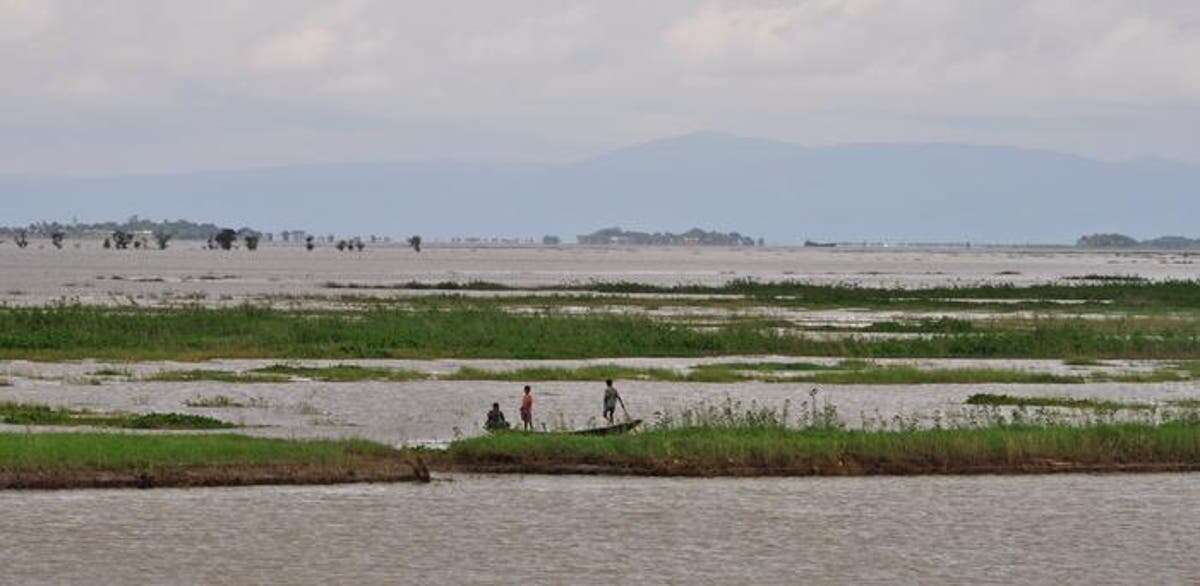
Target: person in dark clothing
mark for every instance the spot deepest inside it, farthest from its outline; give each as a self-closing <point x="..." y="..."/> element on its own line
<point x="495" y="419"/>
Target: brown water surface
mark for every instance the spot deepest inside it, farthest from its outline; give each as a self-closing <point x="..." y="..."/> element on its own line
<point x="1073" y="529"/>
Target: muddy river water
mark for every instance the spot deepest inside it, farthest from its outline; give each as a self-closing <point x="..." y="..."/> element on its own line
<point x="1073" y="529"/>
<point x="90" y="274"/>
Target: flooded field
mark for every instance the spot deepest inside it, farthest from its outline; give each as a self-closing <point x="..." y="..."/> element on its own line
<point x="505" y="529"/>
<point x="186" y="273"/>
<point x="399" y="413"/>
<point x="1067" y="529"/>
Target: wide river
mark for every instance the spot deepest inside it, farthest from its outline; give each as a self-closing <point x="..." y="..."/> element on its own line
<point x="472" y="529"/>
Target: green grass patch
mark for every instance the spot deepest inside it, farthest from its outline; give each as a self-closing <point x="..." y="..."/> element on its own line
<point x="486" y="331"/>
<point x="118" y="452"/>
<point x="29" y="414"/>
<point x="712" y="451"/>
<point x="111" y="460"/>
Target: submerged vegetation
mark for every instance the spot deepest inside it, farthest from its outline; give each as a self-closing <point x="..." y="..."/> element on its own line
<point x="28" y="414"/>
<point x="843" y="372"/>
<point x="221" y="376"/>
<point x="104" y="460"/>
<point x="1067" y="402"/>
<point x="1111" y="294"/>
<point x="341" y="373"/>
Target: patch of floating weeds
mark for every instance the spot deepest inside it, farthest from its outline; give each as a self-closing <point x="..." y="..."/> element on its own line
<point x="1106" y="278"/>
<point x="31" y="414"/>
<point x="906" y="375"/>
<point x="342" y="373"/>
<point x="583" y="373"/>
<point x="109" y="371"/>
<point x="221" y="376"/>
<point x="1122" y="291"/>
<point x="223" y="402"/>
<point x="1069" y="402"/>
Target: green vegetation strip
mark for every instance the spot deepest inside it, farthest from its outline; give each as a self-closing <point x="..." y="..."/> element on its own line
<point x="87" y="460"/>
<point x="845" y="372"/>
<point x="764" y="451"/>
<point x="220" y="376"/>
<point x="77" y="332"/>
<point x="1115" y="293"/>
<point x="342" y="373"/>
<point x="28" y="414"/>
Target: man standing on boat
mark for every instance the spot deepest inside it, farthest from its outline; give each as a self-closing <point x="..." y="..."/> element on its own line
<point x="527" y="409"/>
<point x="611" y="398"/>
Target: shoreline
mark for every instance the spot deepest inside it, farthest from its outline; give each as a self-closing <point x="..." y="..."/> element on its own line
<point x="1026" y="469"/>
<point x="55" y="461"/>
<point x="207" y="477"/>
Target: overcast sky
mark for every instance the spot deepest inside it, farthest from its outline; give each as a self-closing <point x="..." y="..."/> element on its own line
<point x="100" y="86"/>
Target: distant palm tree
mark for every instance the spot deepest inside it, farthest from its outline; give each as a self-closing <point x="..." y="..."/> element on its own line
<point x="122" y="239"/>
<point x="225" y="239"/>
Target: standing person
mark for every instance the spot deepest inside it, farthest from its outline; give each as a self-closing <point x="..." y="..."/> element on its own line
<point x="611" y="398"/>
<point x="527" y="409"/>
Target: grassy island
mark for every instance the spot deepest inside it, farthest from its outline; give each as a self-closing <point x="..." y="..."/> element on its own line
<point x="783" y="452"/>
<point x="735" y="440"/>
<point x="115" y="460"/>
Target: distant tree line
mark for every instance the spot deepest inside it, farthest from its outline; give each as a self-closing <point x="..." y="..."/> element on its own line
<point x="1123" y="241"/>
<point x="694" y="237"/>
<point x="180" y="229"/>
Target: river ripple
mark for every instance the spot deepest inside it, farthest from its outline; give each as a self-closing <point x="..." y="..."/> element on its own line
<point x="476" y="529"/>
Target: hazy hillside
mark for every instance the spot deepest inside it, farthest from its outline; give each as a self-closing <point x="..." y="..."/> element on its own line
<point x="782" y="191"/>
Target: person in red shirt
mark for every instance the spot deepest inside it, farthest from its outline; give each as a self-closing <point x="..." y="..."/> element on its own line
<point x="527" y="409"/>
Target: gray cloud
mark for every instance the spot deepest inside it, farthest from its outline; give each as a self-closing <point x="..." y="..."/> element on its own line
<point x="127" y="85"/>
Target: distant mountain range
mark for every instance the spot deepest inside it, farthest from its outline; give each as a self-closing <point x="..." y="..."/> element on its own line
<point x="783" y="191"/>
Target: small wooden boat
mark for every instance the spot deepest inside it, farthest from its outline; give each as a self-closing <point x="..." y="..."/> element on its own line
<point x="626" y="427"/>
<point x="618" y="428"/>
